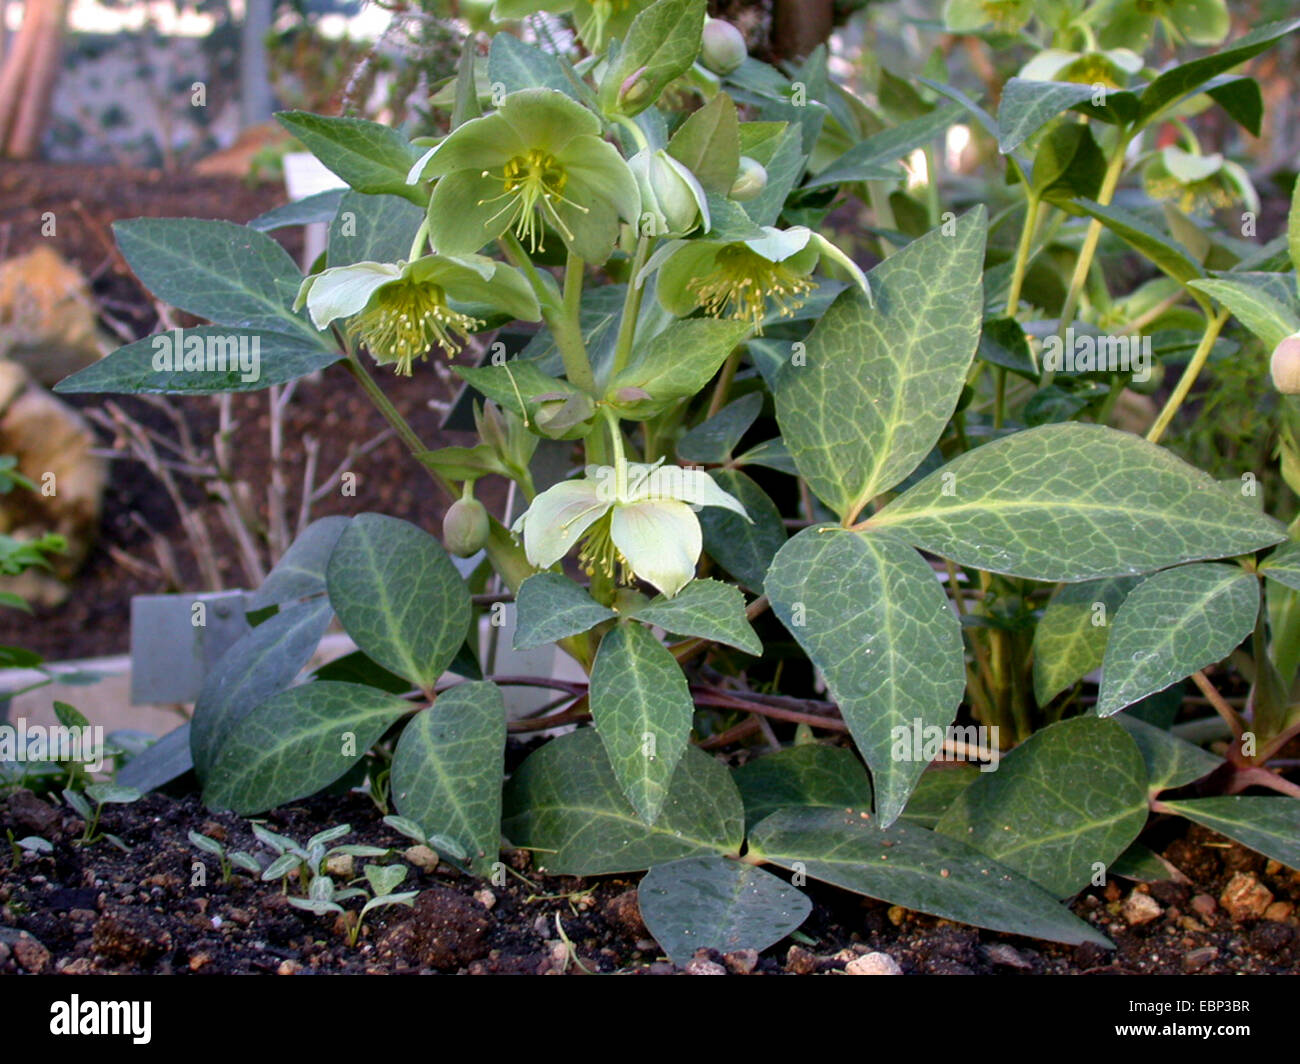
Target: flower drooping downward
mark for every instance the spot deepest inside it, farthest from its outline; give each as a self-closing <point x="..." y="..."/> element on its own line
<point x="749" y="280"/>
<point x="399" y="311"/>
<point x="404" y="319"/>
<point x="637" y="523"/>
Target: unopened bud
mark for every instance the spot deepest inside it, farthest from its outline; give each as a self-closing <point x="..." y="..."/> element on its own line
<point x="1285" y="365"/>
<point x="465" y="527"/>
<point x="634" y="89"/>
<point x="723" y="48"/>
<point x="751" y="179"/>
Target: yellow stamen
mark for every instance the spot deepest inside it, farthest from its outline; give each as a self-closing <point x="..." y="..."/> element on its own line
<point x="599" y="555"/>
<point x="404" y="319"/>
<point x="743" y="281"/>
<point x="532" y="186"/>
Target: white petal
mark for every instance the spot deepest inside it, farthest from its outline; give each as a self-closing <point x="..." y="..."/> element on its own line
<point x="558" y="518"/>
<point x="692" y="486"/>
<point x="661" y="541"/>
<point x="777" y="245"/>
<point x="345" y="290"/>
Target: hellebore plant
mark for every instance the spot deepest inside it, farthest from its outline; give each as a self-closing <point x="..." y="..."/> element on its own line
<point x="805" y="530"/>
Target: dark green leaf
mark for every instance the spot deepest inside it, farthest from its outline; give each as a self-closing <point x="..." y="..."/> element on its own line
<point x="447" y="770"/>
<point x="918" y="869"/>
<point x="869" y="613"/>
<point x="565" y="804"/>
<point x="296" y="743"/>
<point x="706" y="609"/>
<point x="719" y="904"/>
<point x="550" y="606"/>
<point x="399" y="597"/>
<point x="1070" y="796"/>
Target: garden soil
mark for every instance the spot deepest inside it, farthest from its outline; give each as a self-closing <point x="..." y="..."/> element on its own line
<point x="162" y="908"/>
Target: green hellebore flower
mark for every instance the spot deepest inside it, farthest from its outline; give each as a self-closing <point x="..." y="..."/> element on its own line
<point x="644" y="527"/>
<point x="1198" y="182"/>
<point x="967" y="16"/>
<point x="1132" y="22"/>
<point x="537" y="161"/>
<point x="400" y="310"/>
<point x="671" y="195"/>
<point x="739" y="279"/>
<point x="1111" y="68"/>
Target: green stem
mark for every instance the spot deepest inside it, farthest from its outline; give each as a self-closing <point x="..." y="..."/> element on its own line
<point x="417" y="245"/>
<point x="1212" y="329"/>
<point x="399" y="424"/>
<point x="724" y="383"/>
<point x="631" y="308"/>
<point x="564" y="328"/>
<point x="1032" y="209"/>
<point x="631" y="126"/>
<point x="1089" y="248"/>
<point x="1000" y="396"/>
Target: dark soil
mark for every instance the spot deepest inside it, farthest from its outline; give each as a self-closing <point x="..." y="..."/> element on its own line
<point x="95" y="909"/>
<point x="86" y="200"/>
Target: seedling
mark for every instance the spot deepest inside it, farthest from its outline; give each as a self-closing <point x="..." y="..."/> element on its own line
<point x="309" y="859"/>
<point x="101" y="794"/>
<point x="439" y="844"/>
<point x="323" y="897"/>
<point x="29" y="844"/>
<point x="228" y="859"/>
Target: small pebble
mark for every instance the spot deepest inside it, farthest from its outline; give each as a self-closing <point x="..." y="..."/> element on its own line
<point x="1204" y="904"/>
<point x="1245" y="897"/>
<point x="485" y="898"/>
<point x="873" y="964"/>
<point x="700" y="966"/>
<point x="1195" y="960"/>
<point x="340" y="866"/>
<point x="1139" y="909"/>
<point x="422" y="857"/>
<point x="741" y="961"/>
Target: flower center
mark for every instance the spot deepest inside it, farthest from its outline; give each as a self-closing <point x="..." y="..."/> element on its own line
<point x="599" y="555"/>
<point x="404" y="319"/>
<point x="532" y="186"/>
<point x="743" y="281"/>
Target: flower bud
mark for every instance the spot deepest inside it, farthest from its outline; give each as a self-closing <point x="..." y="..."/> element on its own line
<point x="750" y="181"/>
<point x="669" y="192"/>
<point x="465" y="527"/>
<point x="1285" y="365"/>
<point x="723" y="48"/>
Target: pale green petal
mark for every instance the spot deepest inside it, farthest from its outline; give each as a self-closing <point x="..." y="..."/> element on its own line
<point x="694" y="259"/>
<point x="485" y="143"/>
<point x="599" y="166"/>
<point x="460" y="219"/>
<point x="661" y="541"/>
<point x="557" y="519"/>
<point x="545" y="119"/>
<point x="832" y="252"/>
<point x="1044" y="66"/>
<point x="345" y="290"/>
<point x="693" y="183"/>
<point x="1187" y="167"/>
<point x="660" y="256"/>
<point x="478" y="279"/>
